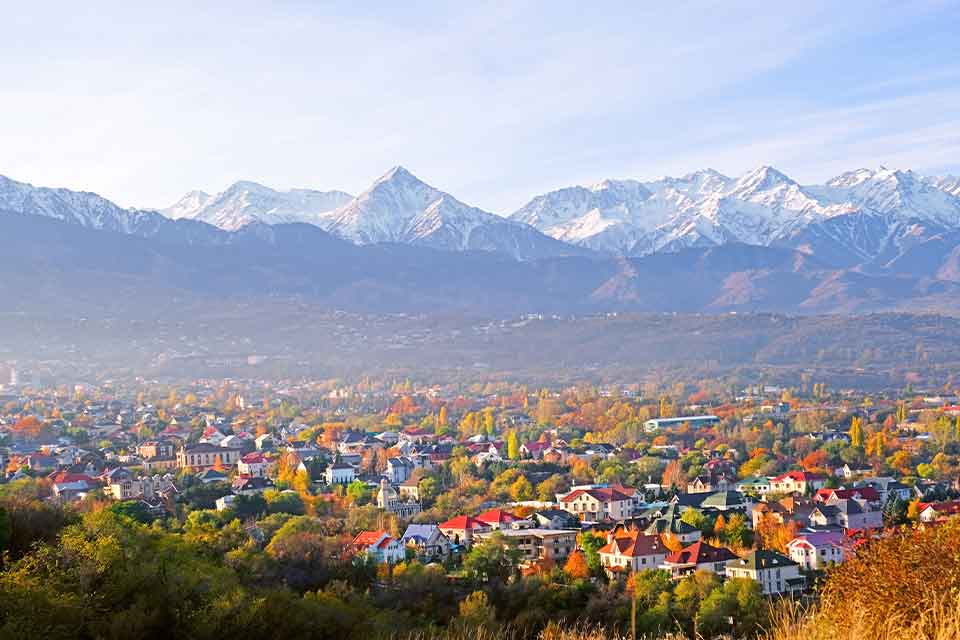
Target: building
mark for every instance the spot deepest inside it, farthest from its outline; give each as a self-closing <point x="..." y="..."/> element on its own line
<point x="251" y="485"/>
<point x="596" y="504"/>
<point x="339" y="473"/>
<point x="428" y="541"/>
<point x="539" y="544"/>
<point x="776" y="573"/>
<point x="801" y="482"/>
<point x="206" y="455"/>
<point x="756" y="485"/>
<point x="254" y="465"/>
<point x="631" y="552"/>
<point x="399" y="469"/>
<point x="933" y="511"/>
<point x="847" y="514"/>
<point x="389" y="500"/>
<point x="461" y="529"/>
<point x="380" y="546"/>
<point x="695" y="422"/>
<point x="498" y="518"/>
<point x="125" y="487"/>
<point x="699" y="556"/>
<point x="817" y="551"/>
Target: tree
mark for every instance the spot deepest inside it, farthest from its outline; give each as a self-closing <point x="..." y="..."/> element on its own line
<point x="856" y="432"/>
<point x="521" y="490"/>
<point x="513" y="446"/>
<point x="894" y="511"/>
<point x="576" y="566"/>
<point x="591" y="544"/>
<point x="476" y="611"/>
<point x="494" y="558"/>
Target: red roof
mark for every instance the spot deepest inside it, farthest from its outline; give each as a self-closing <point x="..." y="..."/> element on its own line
<point x="367" y="538"/>
<point x="699" y="553"/>
<point x="496" y="516"/>
<point x="864" y="493"/>
<point x="65" y="477"/>
<point x="635" y="546"/>
<point x="253" y="457"/>
<point x="463" y="523"/>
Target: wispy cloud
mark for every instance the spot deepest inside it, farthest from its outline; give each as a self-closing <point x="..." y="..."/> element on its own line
<point x="494" y="102"/>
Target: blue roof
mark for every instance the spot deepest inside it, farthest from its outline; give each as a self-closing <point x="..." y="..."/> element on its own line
<point x="421" y="531"/>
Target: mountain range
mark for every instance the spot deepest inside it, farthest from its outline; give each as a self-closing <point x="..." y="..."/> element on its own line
<point x="865" y="240"/>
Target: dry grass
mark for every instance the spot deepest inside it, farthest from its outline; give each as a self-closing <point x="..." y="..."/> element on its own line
<point x="905" y="587"/>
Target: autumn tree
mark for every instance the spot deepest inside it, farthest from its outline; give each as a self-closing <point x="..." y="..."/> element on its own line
<point x="576" y="566"/>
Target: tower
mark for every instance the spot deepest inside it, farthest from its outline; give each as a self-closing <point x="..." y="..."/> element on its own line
<point x="14" y="377"/>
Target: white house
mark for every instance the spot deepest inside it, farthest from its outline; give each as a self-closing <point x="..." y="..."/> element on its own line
<point x="776" y="573"/>
<point x="253" y="464"/>
<point x="339" y="473"/>
<point x="814" y="551"/>
<point x="379" y="545"/>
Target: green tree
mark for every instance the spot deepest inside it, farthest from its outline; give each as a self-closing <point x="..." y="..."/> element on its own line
<point x="493" y="559"/>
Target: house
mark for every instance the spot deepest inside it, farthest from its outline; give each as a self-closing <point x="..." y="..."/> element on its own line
<point x="801" y="482"/>
<point x="498" y="518"/>
<point x="461" y="529"/>
<point x="129" y="488"/>
<point x="380" y="546"/>
<point x="539" y="544"/>
<point x="399" y="469"/>
<point x="251" y="485"/>
<point x="339" y="473"/>
<point x="816" y="551"/>
<point x="555" y="519"/>
<point x="774" y="572"/>
<point x="71" y="486"/>
<point x="847" y="514"/>
<point x="699" y="556"/>
<point x="864" y="495"/>
<point x="933" y="511"/>
<point x="206" y="455"/>
<point x="226" y="502"/>
<point x="755" y="485"/>
<point x="722" y="501"/>
<point x="783" y="511"/>
<point x="208" y="476"/>
<point x="695" y="422"/>
<point x="264" y="442"/>
<point x="158" y="455"/>
<point x="428" y="541"/>
<point x="410" y="489"/>
<point x="710" y="483"/>
<point x="596" y="504"/>
<point x="253" y="464"/>
<point x="389" y="500"/>
<point x="633" y="551"/>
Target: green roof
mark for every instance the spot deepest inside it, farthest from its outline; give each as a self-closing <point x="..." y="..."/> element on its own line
<point x="762" y="559"/>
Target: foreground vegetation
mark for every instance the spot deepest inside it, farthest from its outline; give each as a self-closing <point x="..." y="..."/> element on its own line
<point x="104" y="575"/>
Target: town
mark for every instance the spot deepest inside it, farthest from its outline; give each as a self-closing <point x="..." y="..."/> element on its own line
<point x="685" y="508"/>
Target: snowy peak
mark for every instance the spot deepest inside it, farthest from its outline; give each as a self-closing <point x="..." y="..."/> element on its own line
<point x="399" y="207"/>
<point x="764" y="206"/>
<point x="247" y="202"/>
<point x="763" y="178"/>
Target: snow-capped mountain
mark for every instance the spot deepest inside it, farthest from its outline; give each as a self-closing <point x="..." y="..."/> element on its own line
<point x="400" y="208"/>
<point x="862" y="213"/>
<point x="77" y="207"/>
<point x="247" y="202"/>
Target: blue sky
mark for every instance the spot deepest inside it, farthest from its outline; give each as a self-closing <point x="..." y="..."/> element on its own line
<point x="494" y="102"/>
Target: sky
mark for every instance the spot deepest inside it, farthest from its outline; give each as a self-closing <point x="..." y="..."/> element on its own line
<point x="492" y="102"/>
